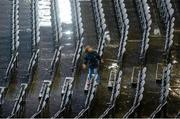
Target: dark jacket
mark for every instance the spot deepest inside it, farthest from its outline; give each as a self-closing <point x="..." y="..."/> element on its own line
<point x="92" y="59"/>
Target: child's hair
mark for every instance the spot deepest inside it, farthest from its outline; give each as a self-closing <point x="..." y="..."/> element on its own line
<point x="87" y="48"/>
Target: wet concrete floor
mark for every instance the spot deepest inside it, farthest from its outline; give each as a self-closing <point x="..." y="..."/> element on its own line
<point x="124" y="102"/>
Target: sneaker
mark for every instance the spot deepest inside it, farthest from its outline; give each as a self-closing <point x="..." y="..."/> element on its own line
<point x="97" y="83"/>
<point x="88" y="82"/>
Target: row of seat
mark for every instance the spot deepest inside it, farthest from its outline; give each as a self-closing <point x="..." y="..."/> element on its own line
<point x="101" y="27"/>
<point x="115" y="74"/>
<point x="15" y="25"/>
<point x="56" y="23"/>
<point x="47" y="84"/>
<point x="139" y="91"/>
<point x="91" y="91"/>
<point x="14" y="45"/>
<point x="116" y="77"/>
<point x="100" y="23"/>
<point x="15" y="36"/>
<point x="145" y="20"/>
<point x="68" y="82"/>
<point x="21" y="96"/>
<point x="35" y="35"/>
<point x="14" y="42"/>
<point x="5" y="36"/>
<point x="169" y="35"/>
<point x="123" y="25"/>
<point x="57" y="33"/>
<point x="167" y="13"/>
<point x="36" y="38"/>
<point x="165" y="85"/>
<point x="66" y="95"/>
<point x="33" y="62"/>
<point x="56" y="57"/>
<point x="102" y="35"/>
<point x="43" y="96"/>
<point x="166" y="10"/>
<point x="79" y="30"/>
<point x="35" y="24"/>
<point x="164" y="90"/>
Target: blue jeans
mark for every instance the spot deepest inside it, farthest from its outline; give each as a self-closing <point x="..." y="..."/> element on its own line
<point x="93" y="71"/>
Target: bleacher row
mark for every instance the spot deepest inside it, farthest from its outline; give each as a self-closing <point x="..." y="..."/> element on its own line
<point x="14" y="49"/>
<point x="21" y="96"/>
<point x="47" y="83"/>
<point x="79" y="30"/>
<point x="167" y="12"/>
<point x="123" y="25"/>
<point x="44" y="93"/>
<point x="115" y="84"/>
<point x="145" y="22"/>
<point x="167" y="15"/>
<point x="103" y="36"/>
<point x="115" y="75"/>
<point x="67" y="88"/>
<point x="5" y="45"/>
<point x="139" y="92"/>
<point x="55" y="20"/>
<point x="101" y="27"/>
<point x="15" y="37"/>
<point x="165" y="85"/>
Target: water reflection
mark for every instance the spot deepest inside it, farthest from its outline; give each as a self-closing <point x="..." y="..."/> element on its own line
<point x="44" y="12"/>
<point x="65" y="11"/>
<point x="68" y="44"/>
<point x="68" y="32"/>
<point x="44" y="7"/>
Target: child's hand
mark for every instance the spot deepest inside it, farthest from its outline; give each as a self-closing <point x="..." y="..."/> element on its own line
<point x="84" y="66"/>
<point x="102" y="61"/>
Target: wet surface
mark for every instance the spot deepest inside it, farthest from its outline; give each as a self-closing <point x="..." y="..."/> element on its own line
<point x="131" y="59"/>
<point x="103" y="93"/>
<point x="90" y="39"/>
<point x="5" y="52"/>
<point x="5" y="36"/>
<point x="24" y="56"/>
